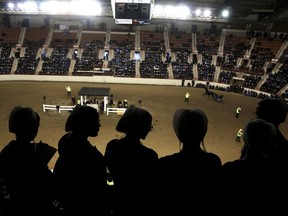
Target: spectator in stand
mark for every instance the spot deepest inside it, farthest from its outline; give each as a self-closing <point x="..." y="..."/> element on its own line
<point x="274" y="110"/>
<point x="249" y="184"/>
<point x="80" y="170"/>
<point x="26" y="182"/>
<point x="131" y="164"/>
<point x="188" y="179"/>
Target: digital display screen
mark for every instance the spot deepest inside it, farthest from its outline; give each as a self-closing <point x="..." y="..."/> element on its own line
<point x="132" y="13"/>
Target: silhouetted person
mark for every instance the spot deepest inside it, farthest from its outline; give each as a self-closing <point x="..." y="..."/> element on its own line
<point x="125" y="103"/>
<point x="132" y="164"/>
<point x="24" y="173"/>
<point x="187" y="179"/>
<point x="102" y="107"/>
<point x="73" y="100"/>
<point x="249" y="184"/>
<point x="119" y="104"/>
<point x="274" y="110"/>
<point x="111" y="102"/>
<point x="80" y="170"/>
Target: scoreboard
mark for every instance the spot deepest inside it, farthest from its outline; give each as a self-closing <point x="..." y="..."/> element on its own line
<point x="132" y="12"/>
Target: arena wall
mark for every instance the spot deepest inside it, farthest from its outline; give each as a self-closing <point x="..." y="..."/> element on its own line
<point x="109" y="79"/>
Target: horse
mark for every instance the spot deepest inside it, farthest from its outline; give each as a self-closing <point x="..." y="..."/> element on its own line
<point x="215" y="96"/>
<point x="208" y="92"/>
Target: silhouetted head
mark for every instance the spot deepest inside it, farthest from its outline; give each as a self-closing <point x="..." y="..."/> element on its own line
<point x="135" y="121"/>
<point x="24" y="122"/>
<point x="273" y="110"/>
<point x="83" y="120"/>
<point x="190" y="125"/>
<point x="259" y="136"/>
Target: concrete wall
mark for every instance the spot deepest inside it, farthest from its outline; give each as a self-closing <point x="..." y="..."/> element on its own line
<point x="99" y="79"/>
<point x="107" y="79"/>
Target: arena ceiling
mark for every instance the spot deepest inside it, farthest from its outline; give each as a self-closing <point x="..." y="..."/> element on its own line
<point x="254" y="10"/>
<point x="240" y="9"/>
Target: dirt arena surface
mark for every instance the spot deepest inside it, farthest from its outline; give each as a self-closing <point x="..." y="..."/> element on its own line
<point x="160" y="101"/>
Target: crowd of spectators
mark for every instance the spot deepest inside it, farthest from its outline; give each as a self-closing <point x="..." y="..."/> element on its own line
<point x="130" y="178"/>
<point x="62" y="58"/>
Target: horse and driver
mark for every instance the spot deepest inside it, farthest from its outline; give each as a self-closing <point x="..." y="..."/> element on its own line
<point x="214" y="95"/>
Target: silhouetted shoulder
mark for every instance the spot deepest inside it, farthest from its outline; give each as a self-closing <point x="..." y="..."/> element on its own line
<point x="24" y="167"/>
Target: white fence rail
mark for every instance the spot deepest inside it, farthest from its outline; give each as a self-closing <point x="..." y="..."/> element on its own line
<point x="118" y="111"/>
<point x="59" y="108"/>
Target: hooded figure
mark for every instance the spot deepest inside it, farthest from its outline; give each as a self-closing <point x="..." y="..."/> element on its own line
<point x="190" y="126"/>
<point x="192" y="171"/>
<point x="83" y="120"/>
<point x="274" y="110"/>
<point x="24" y="173"/>
<point x="82" y="165"/>
<point x="24" y="122"/>
<point x="255" y="174"/>
<point x="135" y="122"/>
<point x="132" y="164"/>
<point x="258" y="137"/>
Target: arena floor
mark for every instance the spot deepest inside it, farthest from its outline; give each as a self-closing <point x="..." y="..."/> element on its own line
<point x="160" y="101"/>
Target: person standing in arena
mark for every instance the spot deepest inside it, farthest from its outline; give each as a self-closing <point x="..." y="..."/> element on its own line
<point x="69" y="90"/>
<point x="238" y="110"/>
<point x="187" y="96"/>
<point x="239" y="135"/>
<point x="125" y="103"/>
<point x="193" y="83"/>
